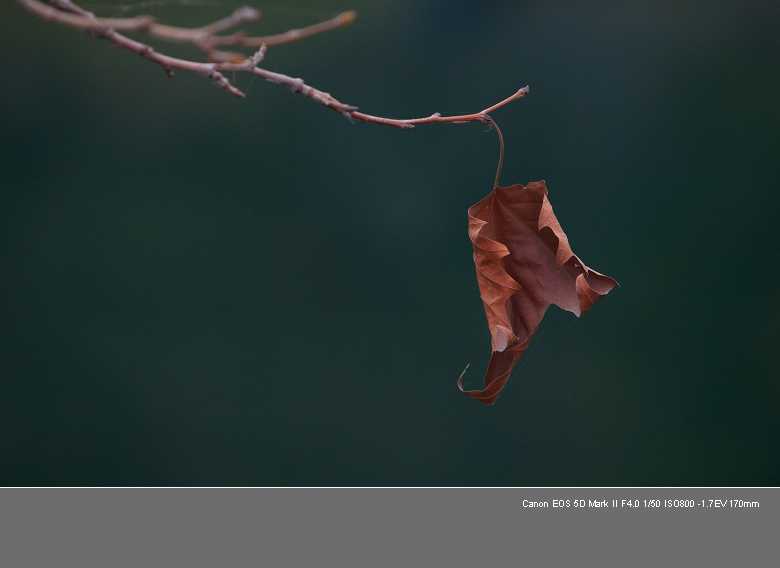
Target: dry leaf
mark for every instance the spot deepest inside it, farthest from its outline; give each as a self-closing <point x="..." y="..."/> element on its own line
<point x="524" y="264"/>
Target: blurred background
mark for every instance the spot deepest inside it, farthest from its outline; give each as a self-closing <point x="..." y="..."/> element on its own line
<point x="202" y="290"/>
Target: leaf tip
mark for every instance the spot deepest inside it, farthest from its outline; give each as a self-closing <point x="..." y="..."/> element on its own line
<point x="460" y="382"/>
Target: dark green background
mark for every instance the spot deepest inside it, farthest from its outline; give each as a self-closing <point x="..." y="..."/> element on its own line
<point x="201" y="290"/>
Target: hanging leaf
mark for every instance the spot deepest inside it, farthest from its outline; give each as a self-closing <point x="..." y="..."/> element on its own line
<point x="524" y="264"/>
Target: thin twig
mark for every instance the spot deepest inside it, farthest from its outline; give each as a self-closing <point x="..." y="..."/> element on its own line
<point x="203" y="33"/>
<point x="343" y="19"/>
<point x="68" y="6"/>
<point x="204" y="36"/>
<point x="298" y="86"/>
<point x="56" y="11"/>
<point x="406" y="124"/>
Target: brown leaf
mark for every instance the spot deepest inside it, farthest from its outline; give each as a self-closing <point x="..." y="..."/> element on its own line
<point x="524" y="264"/>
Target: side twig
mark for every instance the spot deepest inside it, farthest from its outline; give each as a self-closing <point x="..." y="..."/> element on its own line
<point x="343" y="19"/>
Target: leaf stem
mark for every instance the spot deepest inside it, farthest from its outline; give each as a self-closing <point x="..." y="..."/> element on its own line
<point x="501" y="154"/>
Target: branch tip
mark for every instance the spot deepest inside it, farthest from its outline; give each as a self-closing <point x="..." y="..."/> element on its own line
<point x="347" y="17"/>
<point x="246" y="14"/>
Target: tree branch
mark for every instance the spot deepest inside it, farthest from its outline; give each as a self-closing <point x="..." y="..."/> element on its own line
<point x="68" y="13"/>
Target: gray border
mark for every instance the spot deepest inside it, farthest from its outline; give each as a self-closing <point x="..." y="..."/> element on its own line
<point x="387" y="527"/>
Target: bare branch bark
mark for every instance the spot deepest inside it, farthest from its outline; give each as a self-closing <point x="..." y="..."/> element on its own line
<point x="68" y="13"/>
